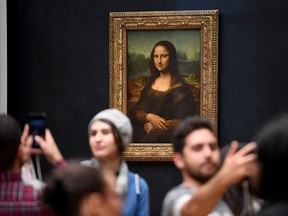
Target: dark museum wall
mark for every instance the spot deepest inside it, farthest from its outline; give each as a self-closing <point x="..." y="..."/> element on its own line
<point x="58" y="62"/>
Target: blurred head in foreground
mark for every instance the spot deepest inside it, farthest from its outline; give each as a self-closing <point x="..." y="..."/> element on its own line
<point x="78" y="190"/>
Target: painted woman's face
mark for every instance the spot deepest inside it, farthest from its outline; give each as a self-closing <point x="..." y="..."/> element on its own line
<point x="102" y="141"/>
<point x="161" y="58"/>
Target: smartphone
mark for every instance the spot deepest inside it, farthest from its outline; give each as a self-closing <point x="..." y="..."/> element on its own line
<point x="37" y="123"/>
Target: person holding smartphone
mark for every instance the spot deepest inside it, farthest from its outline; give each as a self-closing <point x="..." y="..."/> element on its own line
<point x="198" y="157"/>
<point x="17" y="198"/>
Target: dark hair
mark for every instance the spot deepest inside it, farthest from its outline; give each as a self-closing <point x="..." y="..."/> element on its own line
<point x="187" y="126"/>
<point x="173" y="62"/>
<point x="10" y="134"/>
<point x="65" y="187"/>
<point x="272" y="151"/>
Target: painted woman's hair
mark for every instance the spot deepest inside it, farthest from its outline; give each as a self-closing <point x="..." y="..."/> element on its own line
<point x="173" y="63"/>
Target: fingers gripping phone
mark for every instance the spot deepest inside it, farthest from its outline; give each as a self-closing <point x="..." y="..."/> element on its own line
<point x="37" y="124"/>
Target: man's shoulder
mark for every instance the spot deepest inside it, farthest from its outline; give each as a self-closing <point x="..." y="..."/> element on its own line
<point x="177" y="194"/>
<point x="180" y="190"/>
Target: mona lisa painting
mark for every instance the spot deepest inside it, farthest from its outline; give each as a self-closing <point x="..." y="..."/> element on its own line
<point x="163" y="68"/>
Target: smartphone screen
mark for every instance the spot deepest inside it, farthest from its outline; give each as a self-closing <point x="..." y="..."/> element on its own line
<point x="37" y="124"/>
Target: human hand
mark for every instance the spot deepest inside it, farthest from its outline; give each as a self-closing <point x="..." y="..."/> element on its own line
<point x="157" y="121"/>
<point x="239" y="163"/>
<point x="26" y="144"/>
<point x="49" y="147"/>
<point x="148" y="128"/>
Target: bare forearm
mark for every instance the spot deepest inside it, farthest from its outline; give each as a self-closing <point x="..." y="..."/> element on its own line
<point x="141" y="116"/>
<point x="235" y="168"/>
<point x="206" y="197"/>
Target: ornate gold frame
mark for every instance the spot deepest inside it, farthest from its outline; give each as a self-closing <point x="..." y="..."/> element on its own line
<point x="120" y="23"/>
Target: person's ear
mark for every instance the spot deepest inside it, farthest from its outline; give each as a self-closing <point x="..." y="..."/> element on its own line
<point x="178" y="160"/>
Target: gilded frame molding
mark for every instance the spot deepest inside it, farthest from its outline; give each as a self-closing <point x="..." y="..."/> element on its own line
<point x="122" y="22"/>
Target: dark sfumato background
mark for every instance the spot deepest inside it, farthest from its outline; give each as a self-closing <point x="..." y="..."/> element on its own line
<point x="58" y="62"/>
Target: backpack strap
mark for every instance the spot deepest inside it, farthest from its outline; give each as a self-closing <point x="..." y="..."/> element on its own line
<point x="137" y="184"/>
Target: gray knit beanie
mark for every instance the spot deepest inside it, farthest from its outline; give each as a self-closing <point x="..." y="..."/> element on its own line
<point x="119" y="120"/>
